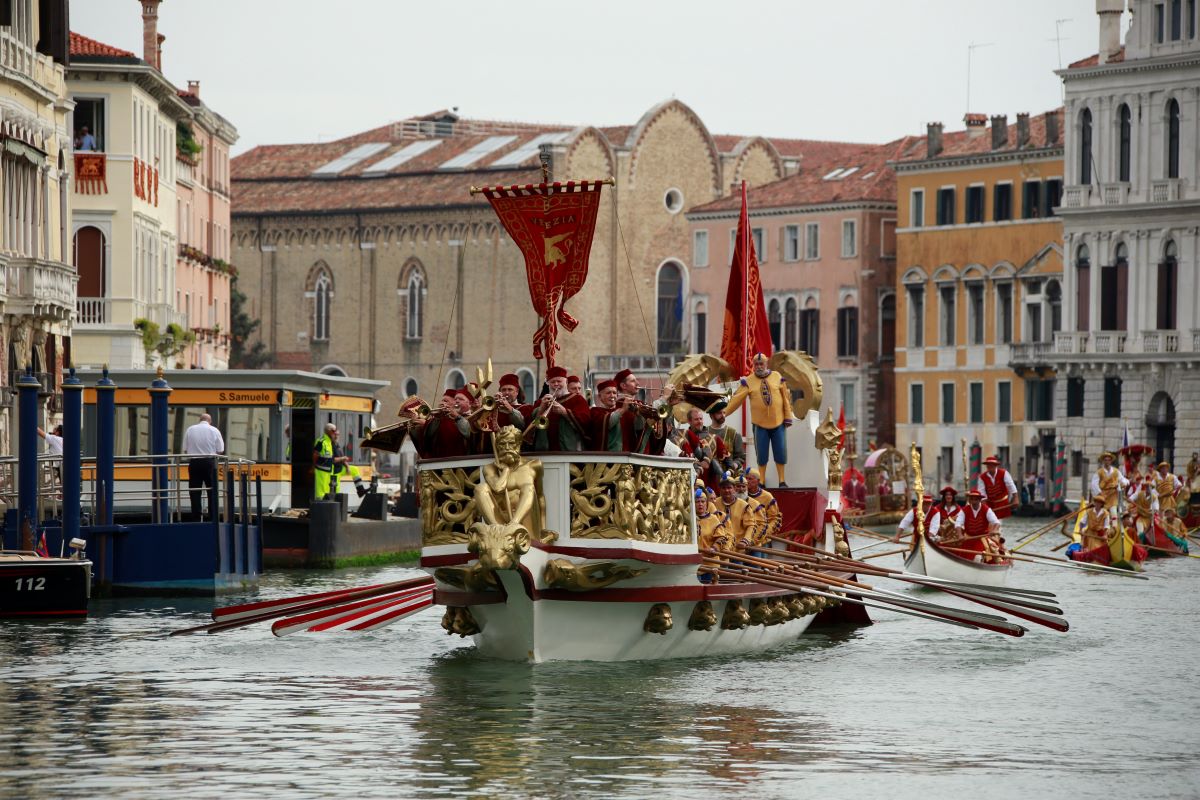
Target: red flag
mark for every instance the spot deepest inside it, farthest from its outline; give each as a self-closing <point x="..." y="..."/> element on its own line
<point x="842" y="426"/>
<point x="746" y="331"/>
<point x="553" y="224"/>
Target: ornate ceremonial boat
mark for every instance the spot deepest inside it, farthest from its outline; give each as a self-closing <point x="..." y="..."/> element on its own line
<point x="591" y="556"/>
<point x="927" y="558"/>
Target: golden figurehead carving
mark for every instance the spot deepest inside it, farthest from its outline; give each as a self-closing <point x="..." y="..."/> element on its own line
<point x="735" y="617"/>
<point x="563" y="574"/>
<point x="511" y="490"/>
<point x="703" y="617"/>
<point x="458" y="619"/>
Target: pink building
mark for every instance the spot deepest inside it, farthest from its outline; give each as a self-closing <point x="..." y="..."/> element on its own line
<point x="203" y="270"/>
<point x="826" y="244"/>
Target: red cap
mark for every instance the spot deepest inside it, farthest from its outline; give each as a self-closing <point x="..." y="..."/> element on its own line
<point x="450" y="393"/>
<point x="621" y="376"/>
<point x="510" y="379"/>
<point x="992" y="460"/>
<point x="465" y="393"/>
<point x="556" y="372"/>
<point x="609" y="384"/>
<point x="948" y="490"/>
<point x="573" y="379"/>
<point x="974" y="493"/>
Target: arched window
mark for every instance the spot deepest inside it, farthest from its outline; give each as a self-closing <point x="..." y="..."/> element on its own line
<point x="455" y="379"/>
<point x="412" y="291"/>
<point x="1083" y="288"/>
<point x="1114" y="284"/>
<point x="1126" y="141"/>
<point x="320" y="289"/>
<point x="774" y="323"/>
<point x="1085" y="146"/>
<point x="1173" y="138"/>
<point x="334" y="370"/>
<point x="1168" y="280"/>
<point x="791" y="321"/>
<point x="410" y="387"/>
<point x="89" y="246"/>
<point x="527" y="390"/>
<point x="670" y="308"/>
<point x="810" y="327"/>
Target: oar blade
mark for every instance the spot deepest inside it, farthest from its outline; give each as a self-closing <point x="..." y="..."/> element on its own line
<point x="299" y="622"/>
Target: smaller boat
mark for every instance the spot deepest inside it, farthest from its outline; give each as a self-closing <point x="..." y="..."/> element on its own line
<point x="928" y="558"/>
<point x="1161" y="543"/>
<point x="33" y="585"/>
<point x="1120" y="552"/>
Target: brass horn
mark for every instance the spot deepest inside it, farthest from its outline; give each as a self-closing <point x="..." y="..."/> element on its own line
<point x="488" y="402"/>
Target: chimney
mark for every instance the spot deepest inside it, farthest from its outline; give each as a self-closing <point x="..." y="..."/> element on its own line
<point x="999" y="131"/>
<point x="158" y="53"/>
<point x="933" y="140"/>
<point x="1022" y="129"/>
<point x="150" y="31"/>
<point x="1109" y="12"/>
<point x="1051" y="128"/>
<point x="194" y="88"/>
<point x="976" y="124"/>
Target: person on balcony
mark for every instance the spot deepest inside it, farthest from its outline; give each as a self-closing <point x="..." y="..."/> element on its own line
<point x="84" y="141"/>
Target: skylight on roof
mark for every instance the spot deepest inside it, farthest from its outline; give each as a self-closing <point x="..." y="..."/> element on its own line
<point x="478" y="151"/>
<point x="406" y="153"/>
<point x="528" y="149"/>
<point x="833" y="174"/>
<point x="347" y="160"/>
<point x="847" y="173"/>
<point x="870" y="174"/>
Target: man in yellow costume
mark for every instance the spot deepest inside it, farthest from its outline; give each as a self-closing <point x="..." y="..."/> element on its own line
<point x="1143" y="502"/>
<point x="1108" y="482"/>
<point x="770" y="413"/>
<point x="1095" y="524"/>
<point x="770" y="516"/>
<point x="740" y="518"/>
<point x="1167" y="486"/>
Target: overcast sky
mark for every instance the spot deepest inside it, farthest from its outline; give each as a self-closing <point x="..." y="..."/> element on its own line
<point x="852" y="70"/>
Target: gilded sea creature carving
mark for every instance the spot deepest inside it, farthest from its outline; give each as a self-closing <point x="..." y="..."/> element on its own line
<point x="626" y="501"/>
<point x="703" y="617"/>
<point x="458" y="619"/>
<point x="735" y="617"/>
<point x="563" y="574"/>
<point x="473" y="578"/>
<point x="447" y="505"/>
<point x="795" y="607"/>
<point x="779" y="611"/>
<point x="760" y="611"/>
<point x="658" y="620"/>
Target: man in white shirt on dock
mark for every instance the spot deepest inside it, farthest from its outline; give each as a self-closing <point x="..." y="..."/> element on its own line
<point x="203" y="443"/>
<point x="54" y="441"/>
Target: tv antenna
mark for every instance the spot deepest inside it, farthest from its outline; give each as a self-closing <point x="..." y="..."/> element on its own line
<point x="971" y="48"/>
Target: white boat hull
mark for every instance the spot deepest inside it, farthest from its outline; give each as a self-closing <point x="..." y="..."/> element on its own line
<point x="928" y="560"/>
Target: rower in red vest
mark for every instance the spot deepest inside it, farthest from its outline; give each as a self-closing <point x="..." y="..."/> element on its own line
<point x="943" y="517"/>
<point x="981" y="528"/>
<point x="997" y="486"/>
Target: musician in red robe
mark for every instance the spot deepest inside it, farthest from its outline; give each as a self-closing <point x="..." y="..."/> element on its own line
<point x="446" y="433"/>
<point x="605" y="427"/>
<point x="998" y="487"/>
<point x="640" y="434"/>
<point x="567" y="415"/>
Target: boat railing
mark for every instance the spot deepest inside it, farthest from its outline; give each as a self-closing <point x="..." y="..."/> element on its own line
<point x="136" y="487"/>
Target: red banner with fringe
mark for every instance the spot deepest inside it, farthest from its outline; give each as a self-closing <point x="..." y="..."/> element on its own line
<point x="91" y="173"/>
<point x="553" y="225"/>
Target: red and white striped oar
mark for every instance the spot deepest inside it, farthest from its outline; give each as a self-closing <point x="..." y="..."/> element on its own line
<point x="372" y="618"/>
<point x="262" y="606"/>
<point x="296" y="623"/>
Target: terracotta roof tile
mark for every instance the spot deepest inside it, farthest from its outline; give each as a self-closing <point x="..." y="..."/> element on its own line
<point x="83" y="47"/>
<point x="870" y="178"/>
<point x="1094" y="60"/>
<point x="961" y="143"/>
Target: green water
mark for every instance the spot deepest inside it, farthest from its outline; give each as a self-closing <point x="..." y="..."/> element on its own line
<point x="905" y="708"/>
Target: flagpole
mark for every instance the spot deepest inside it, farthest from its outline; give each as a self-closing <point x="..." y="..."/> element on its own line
<point x="745" y="265"/>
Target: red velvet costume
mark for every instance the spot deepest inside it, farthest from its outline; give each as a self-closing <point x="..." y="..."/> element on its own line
<point x="975" y="527"/>
<point x="997" y="492"/>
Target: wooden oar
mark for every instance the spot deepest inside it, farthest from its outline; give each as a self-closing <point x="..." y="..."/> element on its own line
<point x="227" y="613"/>
<point x="1056" y="548"/>
<point x="884" y="553"/>
<point x="869" y="533"/>
<point x="987" y="621"/>
<point x="832" y="561"/>
<point x="1048" y="526"/>
<point x="1035" y="558"/>
<point x="337" y="598"/>
<point x="1168" y="552"/>
<point x="328" y="619"/>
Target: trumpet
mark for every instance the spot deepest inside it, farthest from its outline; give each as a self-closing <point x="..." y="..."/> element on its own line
<point x="487" y="402"/>
<point x="646" y="410"/>
<point x="540" y="422"/>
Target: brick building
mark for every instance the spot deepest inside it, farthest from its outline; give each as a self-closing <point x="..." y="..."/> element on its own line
<point x="368" y="257"/>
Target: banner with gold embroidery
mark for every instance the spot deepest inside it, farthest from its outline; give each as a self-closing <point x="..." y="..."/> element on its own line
<point x="91" y="173"/>
<point x="552" y="224"/>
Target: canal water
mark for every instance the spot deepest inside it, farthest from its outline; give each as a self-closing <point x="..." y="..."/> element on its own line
<point x="905" y="708"/>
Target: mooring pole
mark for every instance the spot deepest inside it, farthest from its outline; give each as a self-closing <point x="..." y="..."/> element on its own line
<point x="160" y="392"/>
<point x="106" y="418"/>
<point x="72" y="467"/>
<point x="27" y="467"/>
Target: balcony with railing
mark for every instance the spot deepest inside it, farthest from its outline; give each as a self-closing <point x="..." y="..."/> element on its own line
<point x="22" y="60"/>
<point x="1160" y="341"/>
<point x="1077" y="196"/>
<point x="122" y="312"/>
<point x="1166" y="191"/>
<point x="1070" y="343"/>
<point x="1115" y="194"/>
<point x="38" y="288"/>
<point x="1030" y="354"/>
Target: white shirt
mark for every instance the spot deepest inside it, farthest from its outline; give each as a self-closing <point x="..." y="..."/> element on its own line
<point x="960" y="521"/>
<point x="202" y="439"/>
<point x="1008" y="483"/>
<point x="1122" y="481"/>
<point x="54" y="444"/>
